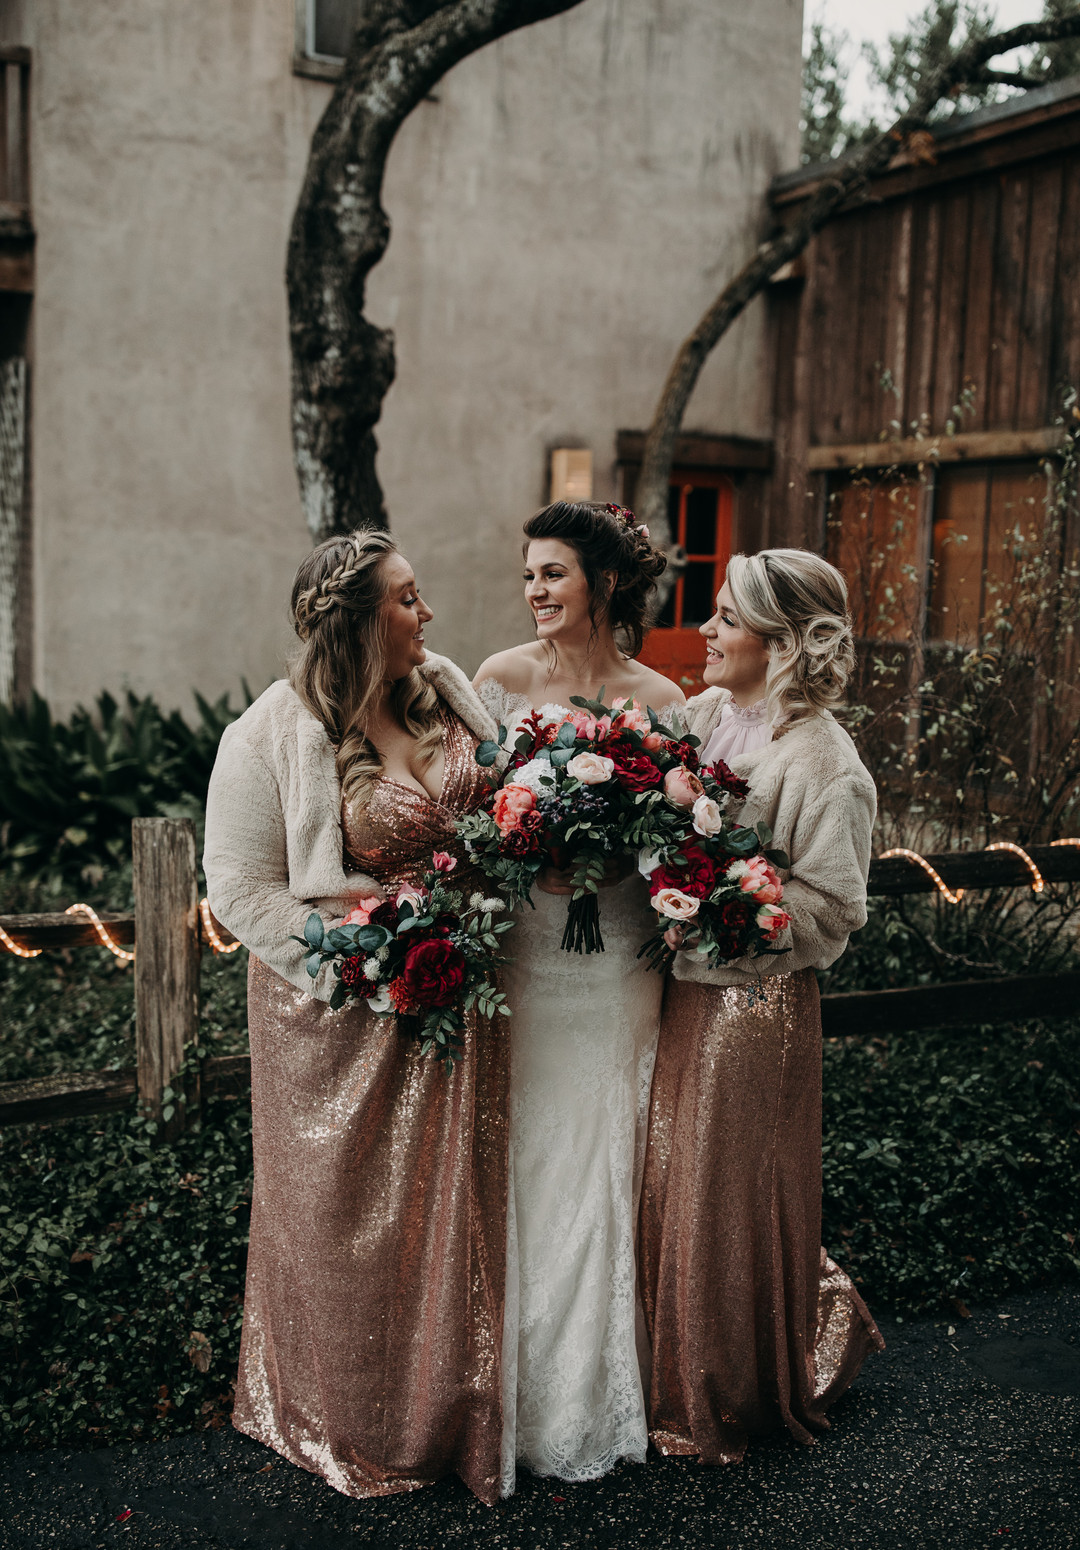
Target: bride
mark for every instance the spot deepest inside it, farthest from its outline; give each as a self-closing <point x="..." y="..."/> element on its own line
<point x="583" y="1037"/>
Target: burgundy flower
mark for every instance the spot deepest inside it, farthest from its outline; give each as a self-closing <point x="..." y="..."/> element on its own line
<point x="697" y="877"/>
<point x="518" y="844"/>
<point x="385" y="915"/>
<point x="637" y="772"/>
<point x="433" y="974"/>
<point x="726" y="780"/>
<point x="683" y="752"/>
<point x="531" y="823"/>
<point x="352" y="972"/>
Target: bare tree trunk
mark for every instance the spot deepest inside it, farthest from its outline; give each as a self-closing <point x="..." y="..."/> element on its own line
<point x="841" y="181"/>
<point x="342" y="365"/>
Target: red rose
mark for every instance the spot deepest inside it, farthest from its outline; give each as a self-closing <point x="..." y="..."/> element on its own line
<point x="531" y="823"/>
<point x="518" y="844"/>
<point x="637" y="772"/>
<point x="352" y="972"/>
<point x="433" y="974"/>
<point x="384" y="915"/>
<point x="697" y="877"/>
<point x="726" y="780"/>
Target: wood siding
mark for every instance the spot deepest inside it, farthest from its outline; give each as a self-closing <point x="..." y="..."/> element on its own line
<point x="957" y="280"/>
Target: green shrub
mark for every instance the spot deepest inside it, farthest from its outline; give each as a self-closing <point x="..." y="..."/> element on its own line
<point x="952" y="1161"/>
<point x="121" y="1277"/>
<point x="69" y="790"/>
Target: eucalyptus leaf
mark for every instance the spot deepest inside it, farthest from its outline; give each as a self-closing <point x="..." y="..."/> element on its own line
<point x="314" y="929"/>
<point x="487" y="753"/>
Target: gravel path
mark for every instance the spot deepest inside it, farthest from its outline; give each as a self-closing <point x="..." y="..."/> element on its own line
<point x="949" y="1440"/>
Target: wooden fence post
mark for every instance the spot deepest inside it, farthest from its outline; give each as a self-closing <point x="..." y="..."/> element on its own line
<point x="167" y="959"/>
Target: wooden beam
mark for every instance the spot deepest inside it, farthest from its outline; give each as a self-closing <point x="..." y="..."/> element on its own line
<point x="167" y="960"/>
<point x="76" y="1094"/>
<point x="975" y="869"/>
<point x="701" y="449"/>
<point x="967" y="447"/>
<point x="47" y="931"/>
<point x="965" y="1003"/>
<point x="14" y="54"/>
<point x="16" y="269"/>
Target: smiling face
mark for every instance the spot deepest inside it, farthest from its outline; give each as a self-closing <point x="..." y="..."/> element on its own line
<point x="556" y="590"/>
<point x="404" y="614"/>
<point x="735" y="659"/>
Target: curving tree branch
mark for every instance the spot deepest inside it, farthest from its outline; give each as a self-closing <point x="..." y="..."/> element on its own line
<point x="342" y="365"/>
<point x="849" y="174"/>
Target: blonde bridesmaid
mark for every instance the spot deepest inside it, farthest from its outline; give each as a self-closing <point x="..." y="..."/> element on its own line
<point x="753" y="1327"/>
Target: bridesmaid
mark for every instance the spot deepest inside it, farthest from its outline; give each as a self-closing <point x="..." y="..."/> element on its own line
<point x="373" y="1318"/>
<point x="752" y="1326"/>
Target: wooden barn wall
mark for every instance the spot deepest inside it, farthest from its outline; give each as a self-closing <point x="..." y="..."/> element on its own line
<point x="905" y="302"/>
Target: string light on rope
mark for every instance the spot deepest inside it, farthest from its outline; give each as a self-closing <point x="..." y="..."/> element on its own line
<point x="1037" y="884"/>
<point x="105" y="939"/>
<point x="20" y="952"/>
<point x="913" y="855"/>
<point x="1063" y="842"/>
<point x="211" y="932"/>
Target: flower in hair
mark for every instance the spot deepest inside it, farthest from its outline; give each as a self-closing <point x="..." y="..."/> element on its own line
<point x="624" y="515"/>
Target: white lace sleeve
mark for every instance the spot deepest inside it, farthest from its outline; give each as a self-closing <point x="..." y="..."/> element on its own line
<point x="493" y="697"/>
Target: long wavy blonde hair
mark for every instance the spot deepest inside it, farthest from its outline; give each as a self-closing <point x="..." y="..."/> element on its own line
<point x="797" y="603"/>
<point x="339" y="672"/>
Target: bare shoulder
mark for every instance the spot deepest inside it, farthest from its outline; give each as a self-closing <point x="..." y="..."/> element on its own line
<point x="515" y="669"/>
<point x="656" y="690"/>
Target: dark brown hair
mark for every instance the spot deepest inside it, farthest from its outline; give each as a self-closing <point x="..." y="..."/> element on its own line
<point x="604" y="542"/>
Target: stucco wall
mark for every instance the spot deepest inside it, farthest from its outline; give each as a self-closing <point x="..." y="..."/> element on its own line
<point x="561" y="216"/>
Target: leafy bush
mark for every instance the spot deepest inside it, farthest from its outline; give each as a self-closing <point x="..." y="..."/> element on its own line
<point x="69" y="790"/>
<point x="121" y="1277"/>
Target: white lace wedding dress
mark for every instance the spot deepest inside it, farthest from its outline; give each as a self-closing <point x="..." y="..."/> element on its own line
<point x="583" y="1042"/>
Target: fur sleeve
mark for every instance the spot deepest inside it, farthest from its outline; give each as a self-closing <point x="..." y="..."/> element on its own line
<point x="246" y="865"/>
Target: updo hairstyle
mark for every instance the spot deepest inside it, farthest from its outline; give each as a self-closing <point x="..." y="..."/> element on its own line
<point x="340" y="668"/>
<point x="606" y="539"/>
<point x="797" y="603"/>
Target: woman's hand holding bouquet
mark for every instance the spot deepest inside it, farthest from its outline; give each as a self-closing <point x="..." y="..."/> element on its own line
<point x="427" y="956"/>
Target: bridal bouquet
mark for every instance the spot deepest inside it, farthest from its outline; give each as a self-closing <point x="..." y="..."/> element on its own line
<point x="581" y="787"/>
<point x="427" y="957"/>
<point x="714" y="878"/>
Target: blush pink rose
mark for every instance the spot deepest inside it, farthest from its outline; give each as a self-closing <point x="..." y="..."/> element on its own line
<point x="652" y="741"/>
<point x="407" y="894"/>
<point x="630" y="716"/>
<point x="510" y="805"/>
<point x="361" y="914"/>
<point x="592" y="769"/>
<point x="707" y="817"/>
<point x="772" y="920"/>
<point x="675" y="904"/>
<point x="594" y="728"/>
<point x="760" y="880"/>
<point x="681" y="787"/>
<point x="442" y="861"/>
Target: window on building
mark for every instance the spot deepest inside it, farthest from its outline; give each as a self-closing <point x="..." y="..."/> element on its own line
<point x="325" y="28"/>
<point x="699" y="511"/>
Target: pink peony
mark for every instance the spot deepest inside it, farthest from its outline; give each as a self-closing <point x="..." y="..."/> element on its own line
<point x="362" y="912"/>
<point x="652" y="741"/>
<point x="593" y="728"/>
<point x="675" y="904"/>
<point x="772" y="920"/>
<point x="631" y="717"/>
<point x="509" y="806"/>
<point x="442" y="861"/>
<point x="756" y="876"/>
<point x="681" y="787"/>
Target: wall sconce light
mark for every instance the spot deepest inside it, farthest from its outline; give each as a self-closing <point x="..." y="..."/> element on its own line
<point x="571" y="474"/>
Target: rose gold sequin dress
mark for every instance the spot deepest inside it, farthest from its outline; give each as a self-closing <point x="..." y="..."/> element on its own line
<point x="373" y="1318"/>
<point x="752" y="1326"/>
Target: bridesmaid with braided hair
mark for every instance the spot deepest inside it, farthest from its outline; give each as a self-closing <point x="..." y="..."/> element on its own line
<point x="752" y="1326"/>
<point x="373" y="1317"/>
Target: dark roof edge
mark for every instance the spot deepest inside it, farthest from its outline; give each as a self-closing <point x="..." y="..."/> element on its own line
<point x="1022" y="102"/>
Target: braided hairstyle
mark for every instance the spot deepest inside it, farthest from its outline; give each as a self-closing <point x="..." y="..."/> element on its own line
<point x="797" y="603"/>
<point x="339" y="671"/>
<point x="618" y="560"/>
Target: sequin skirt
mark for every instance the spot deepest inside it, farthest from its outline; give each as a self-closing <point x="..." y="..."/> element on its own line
<point x="752" y="1326"/>
<point x="371" y="1349"/>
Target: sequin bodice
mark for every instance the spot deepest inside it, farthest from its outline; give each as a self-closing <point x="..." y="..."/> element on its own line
<point x="392" y="835"/>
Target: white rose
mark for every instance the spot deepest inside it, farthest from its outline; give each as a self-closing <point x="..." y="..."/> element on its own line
<point x="706" y="816"/>
<point x="675" y="904"/>
<point x="380" y="1001"/>
<point x="532" y="774"/>
<point x="592" y="769"/>
<point x="647" y="862"/>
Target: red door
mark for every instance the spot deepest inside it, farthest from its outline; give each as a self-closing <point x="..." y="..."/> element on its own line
<point x="699" y="509"/>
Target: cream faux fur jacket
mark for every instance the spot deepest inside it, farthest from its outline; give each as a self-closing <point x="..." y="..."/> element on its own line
<point x="274" y="848"/>
<point x="817" y="797"/>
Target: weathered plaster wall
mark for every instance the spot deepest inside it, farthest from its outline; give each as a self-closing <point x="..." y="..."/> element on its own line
<point x="561" y="216"/>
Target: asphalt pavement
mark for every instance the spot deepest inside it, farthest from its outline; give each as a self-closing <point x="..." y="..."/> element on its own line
<point x="959" y="1435"/>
